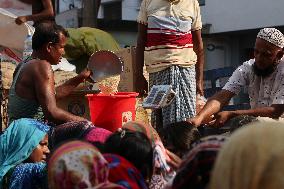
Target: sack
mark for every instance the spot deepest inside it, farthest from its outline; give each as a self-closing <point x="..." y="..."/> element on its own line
<point x="11" y="34"/>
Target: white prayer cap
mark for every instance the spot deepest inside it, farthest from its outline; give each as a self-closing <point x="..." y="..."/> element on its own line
<point x="272" y="35"/>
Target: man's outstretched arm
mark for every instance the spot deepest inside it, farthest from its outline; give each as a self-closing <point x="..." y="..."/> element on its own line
<point x="274" y="111"/>
<point x="66" y="88"/>
<point x="213" y="105"/>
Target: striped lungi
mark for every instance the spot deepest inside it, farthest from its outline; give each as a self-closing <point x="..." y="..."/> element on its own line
<point x="183" y="82"/>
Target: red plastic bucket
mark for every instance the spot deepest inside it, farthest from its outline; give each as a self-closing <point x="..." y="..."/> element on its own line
<point x="111" y="111"/>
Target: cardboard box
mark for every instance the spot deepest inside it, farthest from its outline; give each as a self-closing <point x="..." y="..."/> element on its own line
<point x="61" y="77"/>
<point x="127" y="56"/>
<point x="76" y="103"/>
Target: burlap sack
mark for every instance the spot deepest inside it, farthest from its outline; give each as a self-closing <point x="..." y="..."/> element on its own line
<point x="7" y="70"/>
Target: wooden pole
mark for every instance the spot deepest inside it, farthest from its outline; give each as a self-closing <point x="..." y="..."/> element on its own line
<point x="89" y="14"/>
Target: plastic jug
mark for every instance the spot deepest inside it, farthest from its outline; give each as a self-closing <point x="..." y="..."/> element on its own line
<point x="28" y="49"/>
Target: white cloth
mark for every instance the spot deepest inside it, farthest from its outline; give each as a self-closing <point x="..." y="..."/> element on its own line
<point x="64" y="65"/>
<point x="262" y="92"/>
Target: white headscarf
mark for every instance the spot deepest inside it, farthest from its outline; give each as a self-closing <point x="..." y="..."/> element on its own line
<point x="252" y="158"/>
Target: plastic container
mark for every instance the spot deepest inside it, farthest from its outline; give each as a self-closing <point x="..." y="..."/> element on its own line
<point x="111" y="111"/>
<point x="28" y="48"/>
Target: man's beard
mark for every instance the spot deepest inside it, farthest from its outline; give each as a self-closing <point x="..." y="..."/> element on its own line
<point x="264" y="72"/>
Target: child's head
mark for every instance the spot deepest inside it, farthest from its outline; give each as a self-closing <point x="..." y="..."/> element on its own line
<point x="178" y="137"/>
<point x="135" y="147"/>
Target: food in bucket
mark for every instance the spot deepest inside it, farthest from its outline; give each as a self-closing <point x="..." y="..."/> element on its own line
<point x="109" y="85"/>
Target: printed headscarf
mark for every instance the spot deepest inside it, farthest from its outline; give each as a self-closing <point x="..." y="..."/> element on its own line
<point x="77" y="165"/>
<point x="77" y="130"/>
<point x="18" y="142"/>
<point x="197" y="165"/>
<point x="97" y="134"/>
<point x="147" y="129"/>
<point x="252" y="158"/>
<point x="122" y="172"/>
<point x="73" y="130"/>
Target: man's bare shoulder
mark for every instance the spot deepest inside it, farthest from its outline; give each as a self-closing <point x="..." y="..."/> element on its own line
<point x="40" y="68"/>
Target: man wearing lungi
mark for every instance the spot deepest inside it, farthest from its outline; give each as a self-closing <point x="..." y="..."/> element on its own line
<point x="169" y="41"/>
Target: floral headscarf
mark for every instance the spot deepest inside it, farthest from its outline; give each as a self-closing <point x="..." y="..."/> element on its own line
<point x="122" y="172"/>
<point x="97" y="134"/>
<point x="77" y="130"/>
<point x="79" y="165"/>
<point x="73" y="130"/>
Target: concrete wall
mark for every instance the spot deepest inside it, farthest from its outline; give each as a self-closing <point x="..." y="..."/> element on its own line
<point x="227" y="50"/>
<point x="235" y="15"/>
<point x="217" y="53"/>
<point x="68" y="19"/>
<point x="64" y="5"/>
<point x="130" y="8"/>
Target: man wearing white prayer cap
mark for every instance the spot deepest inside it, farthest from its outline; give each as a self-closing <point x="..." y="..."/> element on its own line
<point x="264" y="78"/>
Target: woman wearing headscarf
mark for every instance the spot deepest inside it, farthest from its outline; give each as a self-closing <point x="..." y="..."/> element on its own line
<point x="178" y="137"/>
<point x="160" y="153"/>
<point x="197" y="165"/>
<point x="164" y="161"/>
<point x="78" y="164"/>
<point x="81" y="130"/>
<point x="122" y="172"/>
<point x="252" y="158"/>
<point x="147" y="129"/>
<point x="23" y="151"/>
<point x="133" y="146"/>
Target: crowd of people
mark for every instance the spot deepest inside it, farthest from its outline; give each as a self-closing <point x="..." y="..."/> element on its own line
<point x="45" y="147"/>
<point x="81" y="155"/>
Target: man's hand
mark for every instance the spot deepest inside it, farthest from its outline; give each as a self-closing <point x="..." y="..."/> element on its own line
<point x="21" y="19"/>
<point x="173" y="160"/>
<point x="195" y="121"/>
<point x="86" y="74"/>
<point x="222" y="117"/>
<point x="141" y="85"/>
